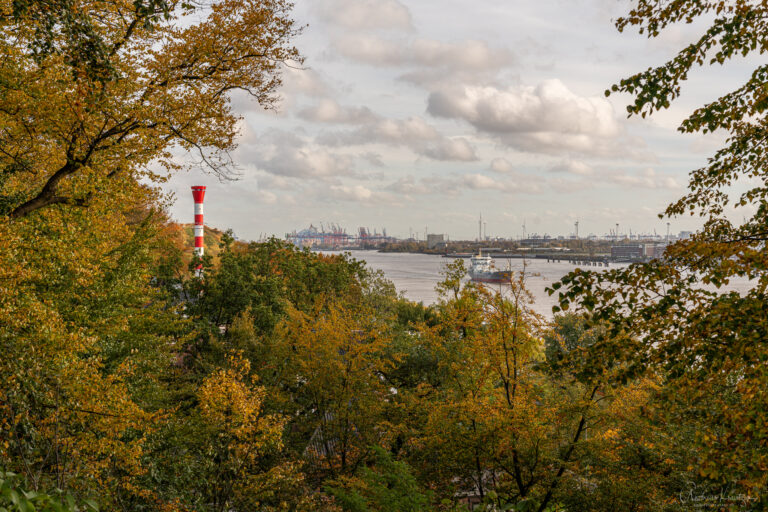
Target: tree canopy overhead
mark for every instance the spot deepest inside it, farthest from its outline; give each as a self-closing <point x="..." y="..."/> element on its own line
<point x="93" y="93"/>
<point x="709" y="346"/>
<point x="738" y="29"/>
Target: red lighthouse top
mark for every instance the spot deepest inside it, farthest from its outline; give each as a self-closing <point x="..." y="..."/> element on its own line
<point x="198" y="193"/>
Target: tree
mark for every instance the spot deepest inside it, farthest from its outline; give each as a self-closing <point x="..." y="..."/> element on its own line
<point x="85" y="337"/>
<point x="708" y="346"/>
<point x="14" y="498"/>
<point x="62" y="28"/>
<point x="262" y="280"/>
<point x="325" y="366"/>
<point x="235" y="436"/>
<point x="94" y="99"/>
<point x="490" y="423"/>
<point x="387" y="485"/>
<point x="97" y="95"/>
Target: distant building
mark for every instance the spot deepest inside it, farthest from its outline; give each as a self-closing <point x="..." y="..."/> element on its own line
<point x="654" y="250"/>
<point x="535" y="240"/>
<point x="637" y="251"/>
<point x="628" y="252"/>
<point x="435" y="241"/>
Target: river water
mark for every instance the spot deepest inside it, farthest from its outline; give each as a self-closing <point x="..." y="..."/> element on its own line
<point x="415" y="275"/>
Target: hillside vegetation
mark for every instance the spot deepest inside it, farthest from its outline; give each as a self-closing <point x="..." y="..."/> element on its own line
<point x="185" y="238"/>
<point x="279" y="379"/>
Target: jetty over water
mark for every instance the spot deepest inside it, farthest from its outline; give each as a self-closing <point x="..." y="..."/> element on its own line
<point x="599" y="260"/>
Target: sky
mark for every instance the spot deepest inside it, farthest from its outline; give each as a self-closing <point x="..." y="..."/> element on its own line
<point x="416" y="115"/>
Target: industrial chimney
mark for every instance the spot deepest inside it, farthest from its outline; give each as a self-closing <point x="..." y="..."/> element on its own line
<point x="198" y="193"/>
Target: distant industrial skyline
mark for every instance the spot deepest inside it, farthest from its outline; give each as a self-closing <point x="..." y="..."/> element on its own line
<point x="337" y="231"/>
<point x="411" y="113"/>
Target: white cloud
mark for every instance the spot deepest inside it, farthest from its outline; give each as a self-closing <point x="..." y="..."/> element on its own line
<point x="456" y="149"/>
<point x="286" y="155"/>
<point x="502" y="165"/>
<point x="441" y="185"/>
<point x="548" y="107"/>
<point x="480" y="181"/>
<point x="264" y="197"/>
<point x="573" y="167"/>
<point x="359" y="194"/>
<point x="453" y="185"/>
<point x="469" y="55"/>
<point x="329" y="111"/>
<point x="272" y="182"/>
<point x="370" y="49"/>
<point x="409" y="186"/>
<point x="548" y="118"/>
<point x="400" y="131"/>
<point x="430" y="61"/>
<point x="373" y="158"/>
<point x="648" y="178"/>
<point x="300" y="80"/>
<point x="569" y="186"/>
<point x="388" y="131"/>
<point x="309" y="163"/>
<point x="365" y="14"/>
<point x="351" y="193"/>
<point x="413" y="133"/>
<point x="528" y="185"/>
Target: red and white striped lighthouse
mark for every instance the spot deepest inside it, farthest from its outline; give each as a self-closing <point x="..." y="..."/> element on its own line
<point x="198" y="193"/>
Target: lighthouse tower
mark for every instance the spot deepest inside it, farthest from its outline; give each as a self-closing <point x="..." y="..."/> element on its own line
<point x="198" y="193"/>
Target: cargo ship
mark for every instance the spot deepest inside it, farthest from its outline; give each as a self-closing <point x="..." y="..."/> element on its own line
<point x="481" y="269"/>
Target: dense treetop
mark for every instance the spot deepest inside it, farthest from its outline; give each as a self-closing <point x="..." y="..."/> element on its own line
<point x="97" y="94"/>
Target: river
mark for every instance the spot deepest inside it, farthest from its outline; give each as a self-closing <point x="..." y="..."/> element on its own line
<point x="415" y="275"/>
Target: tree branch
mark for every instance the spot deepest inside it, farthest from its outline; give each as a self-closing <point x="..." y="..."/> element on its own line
<point x="47" y="195"/>
<point x="579" y="430"/>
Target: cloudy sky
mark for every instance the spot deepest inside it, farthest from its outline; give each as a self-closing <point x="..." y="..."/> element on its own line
<point x="425" y="113"/>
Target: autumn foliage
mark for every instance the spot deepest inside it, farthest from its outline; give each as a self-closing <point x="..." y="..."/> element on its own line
<point x="289" y="380"/>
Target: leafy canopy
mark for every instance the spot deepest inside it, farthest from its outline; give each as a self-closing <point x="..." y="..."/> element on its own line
<point x="94" y="95"/>
<point x="710" y="346"/>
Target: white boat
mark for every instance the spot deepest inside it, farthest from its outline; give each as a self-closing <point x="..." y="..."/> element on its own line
<point x="481" y="269"/>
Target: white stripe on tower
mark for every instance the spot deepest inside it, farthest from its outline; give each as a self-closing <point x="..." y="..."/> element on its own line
<point x="198" y="193"/>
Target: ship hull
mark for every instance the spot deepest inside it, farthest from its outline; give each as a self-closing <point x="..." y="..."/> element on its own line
<point x="491" y="277"/>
